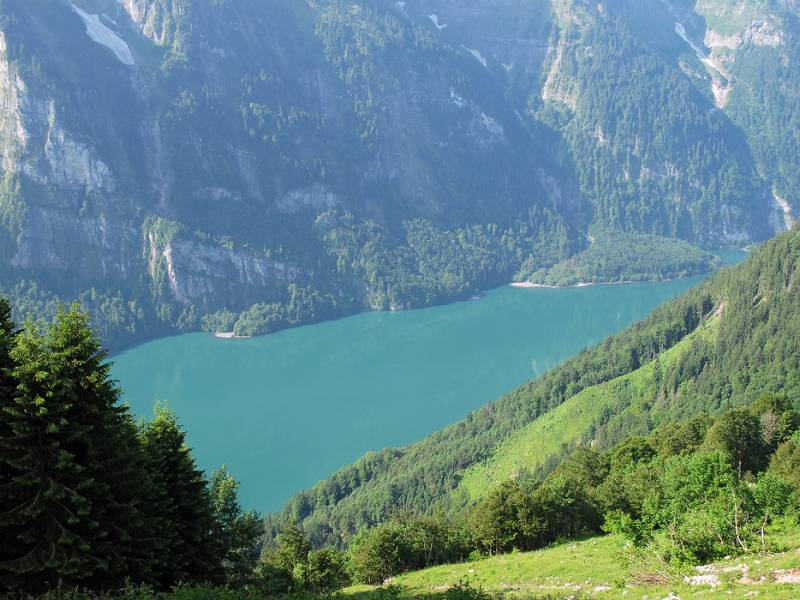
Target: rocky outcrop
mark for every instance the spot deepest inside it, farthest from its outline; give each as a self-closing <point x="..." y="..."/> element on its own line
<point x="211" y="275"/>
<point x="558" y="86"/>
<point x="13" y="135"/>
<point x="83" y="249"/>
<point x="155" y="19"/>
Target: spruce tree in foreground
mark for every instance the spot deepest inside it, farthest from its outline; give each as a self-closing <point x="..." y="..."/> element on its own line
<point x="7" y="337"/>
<point x="7" y="394"/>
<point x="88" y="499"/>
<point x="46" y="519"/>
<point x="191" y="553"/>
<point x="109" y="452"/>
<point x="238" y="533"/>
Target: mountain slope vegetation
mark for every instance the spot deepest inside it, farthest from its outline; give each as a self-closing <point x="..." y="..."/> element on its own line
<point x="718" y="346"/>
<point x="253" y="165"/>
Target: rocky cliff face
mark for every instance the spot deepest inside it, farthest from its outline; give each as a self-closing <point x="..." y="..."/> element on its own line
<point x="602" y="73"/>
<point x="240" y="124"/>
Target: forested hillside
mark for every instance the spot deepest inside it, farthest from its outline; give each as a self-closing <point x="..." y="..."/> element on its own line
<point x="721" y="345"/>
<point x="95" y="505"/>
<point x="251" y="165"/>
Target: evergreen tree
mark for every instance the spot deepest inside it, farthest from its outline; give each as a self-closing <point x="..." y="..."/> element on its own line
<point x="191" y="553"/>
<point x="293" y="547"/>
<point x="7" y="334"/>
<point x="738" y="433"/>
<point x="46" y="520"/>
<point x="7" y="394"/>
<point x="238" y="532"/>
<point x="109" y="453"/>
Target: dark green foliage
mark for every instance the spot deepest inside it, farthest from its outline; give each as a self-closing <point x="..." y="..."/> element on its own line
<point x="47" y="525"/>
<point x="293" y="547"/>
<point x="109" y="454"/>
<point x="271" y="579"/>
<point x="785" y="462"/>
<point x="427" y="265"/>
<point x="191" y="552"/>
<point x="295" y="566"/>
<point x="738" y="435"/>
<point x="7" y="333"/>
<point x="237" y="532"/>
<point x="407" y="543"/>
<point x="303" y="305"/>
<point x="682" y="437"/>
<point x="616" y="257"/>
<point x="506" y="519"/>
<point x="87" y="499"/>
<point x="324" y="570"/>
<point x="528" y="517"/>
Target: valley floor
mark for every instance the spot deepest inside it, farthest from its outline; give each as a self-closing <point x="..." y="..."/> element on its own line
<point x="604" y="567"/>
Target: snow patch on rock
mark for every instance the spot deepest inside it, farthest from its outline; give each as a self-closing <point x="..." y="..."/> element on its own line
<point x="104" y="36"/>
<point x="477" y="55"/>
<point x="435" y="20"/>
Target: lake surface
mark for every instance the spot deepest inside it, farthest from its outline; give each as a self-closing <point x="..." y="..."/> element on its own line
<point x="285" y="410"/>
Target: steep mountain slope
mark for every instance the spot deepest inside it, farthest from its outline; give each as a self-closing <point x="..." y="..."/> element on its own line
<point x="720" y="345"/>
<point x="251" y="165"/>
<point x="636" y="95"/>
<point x="185" y="157"/>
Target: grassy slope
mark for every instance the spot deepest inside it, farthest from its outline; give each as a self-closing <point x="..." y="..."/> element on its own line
<point x="603" y="567"/>
<point x="575" y="421"/>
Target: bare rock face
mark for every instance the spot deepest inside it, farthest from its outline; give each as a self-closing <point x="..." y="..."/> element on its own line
<point x="154" y="18"/>
<point x="13" y="94"/>
<point x="107" y="248"/>
<point x="210" y="275"/>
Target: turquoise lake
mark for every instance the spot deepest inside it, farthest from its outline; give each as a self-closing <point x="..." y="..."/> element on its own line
<point x="285" y="410"/>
